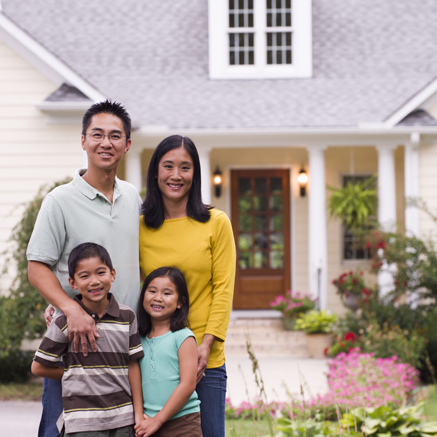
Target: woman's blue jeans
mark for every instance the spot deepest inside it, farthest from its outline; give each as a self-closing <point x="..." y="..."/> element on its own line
<point x="51" y="408"/>
<point x="211" y="390"/>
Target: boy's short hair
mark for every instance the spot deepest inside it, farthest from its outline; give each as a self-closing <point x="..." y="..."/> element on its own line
<point x="86" y="251"/>
<point x="108" y="107"/>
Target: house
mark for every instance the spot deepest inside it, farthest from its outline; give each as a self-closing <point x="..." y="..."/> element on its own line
<point x="267" y="90"/>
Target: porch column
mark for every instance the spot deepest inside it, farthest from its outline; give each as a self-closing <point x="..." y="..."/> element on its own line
<point x="317" y="225"/>
<point x="133" y="168"/>
<point x="85" y="159"/>
<point x="205" y="170"/>
<point x="411" y="182"/>
<point x="386" y="208"/>
<point x="386" y="185"/>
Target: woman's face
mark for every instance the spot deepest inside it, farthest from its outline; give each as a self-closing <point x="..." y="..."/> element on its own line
<point x="175" y="175"/>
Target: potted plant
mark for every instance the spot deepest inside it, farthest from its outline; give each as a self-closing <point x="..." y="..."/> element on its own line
<point x="291" y="306"/>
<point x="318" y="327"/>
<point x="352" y="289"/>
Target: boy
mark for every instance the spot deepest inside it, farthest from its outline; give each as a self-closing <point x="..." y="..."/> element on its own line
<point x="101" y="391"/>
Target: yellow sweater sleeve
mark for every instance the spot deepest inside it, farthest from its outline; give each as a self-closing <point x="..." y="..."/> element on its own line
<point x="223" y="277"/>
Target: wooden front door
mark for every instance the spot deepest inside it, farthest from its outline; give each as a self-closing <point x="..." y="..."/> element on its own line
<point x="261" y="222"/>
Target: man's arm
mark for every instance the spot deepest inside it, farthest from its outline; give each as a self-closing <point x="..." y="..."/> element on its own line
<point x="39" y="369"/>
<point x="80" y="324"/>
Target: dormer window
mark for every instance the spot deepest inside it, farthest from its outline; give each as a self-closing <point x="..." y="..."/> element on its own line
<point x="260" y="39"/>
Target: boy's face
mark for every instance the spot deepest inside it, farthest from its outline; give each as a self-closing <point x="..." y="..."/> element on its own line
<point x="93" y="280"/>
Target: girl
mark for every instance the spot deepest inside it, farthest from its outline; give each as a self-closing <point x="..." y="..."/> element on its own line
<point x="178" y="229"/>
<point x="169" y="366"/>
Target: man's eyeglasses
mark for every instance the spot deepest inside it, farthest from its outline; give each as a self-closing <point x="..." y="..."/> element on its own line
<point x="114" y="138"/>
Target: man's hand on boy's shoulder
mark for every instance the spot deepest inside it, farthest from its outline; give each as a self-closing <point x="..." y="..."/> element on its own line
<point x="81" y="326"/>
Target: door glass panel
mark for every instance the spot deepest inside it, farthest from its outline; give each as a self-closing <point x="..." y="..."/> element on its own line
<point x="244" y="186"/>
<point x="277" y="259"/>
<point x="260" y="185"/>
<point x="260" y="241"/>
<point x="245" y="241"/>
<point x="245" y="260"/>
<point x="259" y="203"/>
<point x="275" y="203"/>
<point x="276" y="185"/>
<point x="276" y="222"/>
<point x="260" y="223"/>
<point x="245" y="222"/>
<point x="244" y="204"/>
<point x="276" y="241"/>
<point x="260" y="260"/>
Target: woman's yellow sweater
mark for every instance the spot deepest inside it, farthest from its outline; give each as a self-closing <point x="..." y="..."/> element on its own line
<point x="205" y="253"/>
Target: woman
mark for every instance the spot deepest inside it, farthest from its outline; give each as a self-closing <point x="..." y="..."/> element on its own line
<point x="177" y="229"/>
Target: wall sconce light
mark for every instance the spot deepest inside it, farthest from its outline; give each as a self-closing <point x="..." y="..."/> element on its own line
<point x="218" y="182"/>
<point x="302" y="179"/>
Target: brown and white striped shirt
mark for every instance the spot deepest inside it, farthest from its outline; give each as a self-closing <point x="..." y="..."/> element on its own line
<point x="95" y="389"/>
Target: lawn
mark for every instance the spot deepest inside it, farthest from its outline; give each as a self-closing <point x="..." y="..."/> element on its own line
<point x="246" y="428"/>
<point x="31" y="391"/>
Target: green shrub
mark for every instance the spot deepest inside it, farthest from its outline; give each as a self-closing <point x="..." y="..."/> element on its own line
<point x="316" y="322"/>
<point x="15" y="365"/>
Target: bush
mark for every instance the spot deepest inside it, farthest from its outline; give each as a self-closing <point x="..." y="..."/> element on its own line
<point x="15" y="365"/>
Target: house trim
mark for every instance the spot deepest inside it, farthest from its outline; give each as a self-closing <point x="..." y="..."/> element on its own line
<point x="43" y="60"/>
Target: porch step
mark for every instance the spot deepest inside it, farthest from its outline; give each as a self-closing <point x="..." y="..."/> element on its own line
<point x="266" y="336"/>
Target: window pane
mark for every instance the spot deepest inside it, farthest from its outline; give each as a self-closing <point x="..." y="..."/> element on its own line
<point x="244" y="204"/>
<point x="269" y="20"/>
<point x="269" y="4"/>
<point x="231" y="58"/>
<point x="260" y="185"/>
<point x="245" y="260"/>
<point x="275" y="203"/>
<point x="276" y="185"/>
<point x="260" y="240"/>
<point x="241" y="20"/>
<point x="276" y="223"/>
<point x="231" y="4"/>
<point x="259" y="203"/>
<point x="241" y="58"/>
<point x="244" y="186"/>
<point x="288" y="58"/>
<point x="250" y="4"/>
<point x="245" y="222"/>
<point x="288" y="19"/>
<point x="277" y="241"/>
<point x="269" y="57"/>
<point x="278" y="4"/>
<point x="260" y="223"/>
<point x="277" y="259"/>
<point x="231" y="40"/>
<point x="279" y="57"/>
<point x="231" y="20"/>
<point x="278" y="19"/>
<point x="241" y="40"/>
<point x="250" y="40"/>
<point x="240" y="4"/>
<point x="245" y="241"/>
<point x="251" y="57"/>
<point x="250" y="20"/>
<point x="260" y="260"/>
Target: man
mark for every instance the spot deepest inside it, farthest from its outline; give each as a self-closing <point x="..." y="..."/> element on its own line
<point x="96" y="207"/>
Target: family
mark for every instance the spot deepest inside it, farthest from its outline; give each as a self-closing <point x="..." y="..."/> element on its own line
<point x="117" y="359"/>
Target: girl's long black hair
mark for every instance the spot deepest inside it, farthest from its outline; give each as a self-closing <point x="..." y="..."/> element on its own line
<point x="179" y="318"/>
<point x="153" y="207"/>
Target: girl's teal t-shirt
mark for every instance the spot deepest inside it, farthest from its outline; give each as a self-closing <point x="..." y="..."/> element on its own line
<point x="160" y="372"/>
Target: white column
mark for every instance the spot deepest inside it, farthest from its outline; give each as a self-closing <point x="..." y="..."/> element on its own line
<point x="85" y="159"/>
<point x="386" y="186"/>
<point x="317" y="225"/>
<point x="411" y="182"/>
<point x="205" y="171"/>
<point x="133" y="168"/>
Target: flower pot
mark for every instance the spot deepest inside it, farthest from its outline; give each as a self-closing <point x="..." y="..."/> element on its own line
<point x="288" y="323"/>
<point x="317" y="344"/>
<point x="352" y="301"/>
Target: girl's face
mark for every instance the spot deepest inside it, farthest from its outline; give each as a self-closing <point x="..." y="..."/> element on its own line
<point x="161" y="299"/>
<point x="175" y="175"/>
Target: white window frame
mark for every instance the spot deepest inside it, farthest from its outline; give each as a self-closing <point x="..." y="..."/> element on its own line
<point x="301" y="66"/>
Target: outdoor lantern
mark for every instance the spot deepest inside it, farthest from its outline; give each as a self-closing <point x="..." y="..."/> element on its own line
<point x="302" y="179"/>
<point x="218" y="182"/>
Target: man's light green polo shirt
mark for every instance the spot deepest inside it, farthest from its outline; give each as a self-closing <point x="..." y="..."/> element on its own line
<point x="77" y="213"/>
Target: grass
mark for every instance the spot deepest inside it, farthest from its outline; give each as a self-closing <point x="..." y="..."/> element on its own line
<point x="30" y="391"/>
<point x="246" y="428"/>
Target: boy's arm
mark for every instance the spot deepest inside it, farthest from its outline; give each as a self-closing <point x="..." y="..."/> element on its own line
<point x="188" y="371"/>
<point x="80" y="324"/>
<point x="39" y="369"/>
<point x="137" y="391"/>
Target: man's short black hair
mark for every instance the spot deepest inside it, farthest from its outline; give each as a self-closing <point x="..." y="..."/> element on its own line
<point x="86" y="251"/>
<point x="108" y="107"/>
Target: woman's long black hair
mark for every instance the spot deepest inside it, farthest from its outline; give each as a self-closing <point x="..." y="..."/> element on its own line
<point x="179" y="318"/>
<point x="153" y="207"/>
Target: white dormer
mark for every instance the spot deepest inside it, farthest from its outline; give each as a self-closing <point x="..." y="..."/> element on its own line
<point x="260" y="39"/>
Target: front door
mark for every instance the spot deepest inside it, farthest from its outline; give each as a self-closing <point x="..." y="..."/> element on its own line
<point x="261" y="222"/>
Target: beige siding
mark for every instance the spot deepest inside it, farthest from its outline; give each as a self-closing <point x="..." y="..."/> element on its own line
<point x="32" y="152"/>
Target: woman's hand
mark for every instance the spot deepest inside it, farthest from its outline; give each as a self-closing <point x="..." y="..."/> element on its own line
<point x="203" y="352"/>
<point x="48" y="315"/>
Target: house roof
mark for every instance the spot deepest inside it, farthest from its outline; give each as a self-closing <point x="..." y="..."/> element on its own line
<point x="418" y="118"/>
<point x="369" y="58"/>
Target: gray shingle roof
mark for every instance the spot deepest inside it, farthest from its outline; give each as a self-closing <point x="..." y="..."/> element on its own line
<point x="418" y="118"/>
<point x="67" y="93"/>
<point x="369" y="58"/>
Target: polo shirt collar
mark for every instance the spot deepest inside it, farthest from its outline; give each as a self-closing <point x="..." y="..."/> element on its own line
<point x="113" y="309"/>
<point x="87" y="190"/>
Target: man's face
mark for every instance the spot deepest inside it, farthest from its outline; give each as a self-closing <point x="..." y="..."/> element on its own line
<point x="105" y="142"/>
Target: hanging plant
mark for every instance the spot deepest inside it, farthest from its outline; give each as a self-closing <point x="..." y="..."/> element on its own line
<point x="354" y="203"/>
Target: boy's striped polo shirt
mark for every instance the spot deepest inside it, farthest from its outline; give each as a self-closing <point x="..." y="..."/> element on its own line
<point x="95" y="389"/>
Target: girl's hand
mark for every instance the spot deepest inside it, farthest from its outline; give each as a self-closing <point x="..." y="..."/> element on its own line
<point x="148" y="426"/>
